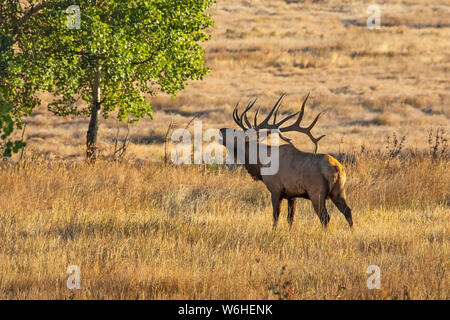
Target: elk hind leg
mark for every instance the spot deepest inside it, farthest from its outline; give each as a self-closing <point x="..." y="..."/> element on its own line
<point x="341" y="203"/>
<point x="319" y="204"/>
<point x="291" y="211"/>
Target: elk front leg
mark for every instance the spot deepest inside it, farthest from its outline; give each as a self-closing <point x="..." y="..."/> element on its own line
<point x="291" y="212"/>
<point x="276" y="205"/>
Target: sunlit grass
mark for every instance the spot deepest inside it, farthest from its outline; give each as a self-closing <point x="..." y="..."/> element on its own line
<point x="197" y="232"/>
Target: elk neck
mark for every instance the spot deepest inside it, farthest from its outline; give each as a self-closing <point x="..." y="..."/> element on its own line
<point x="253" y="169"/>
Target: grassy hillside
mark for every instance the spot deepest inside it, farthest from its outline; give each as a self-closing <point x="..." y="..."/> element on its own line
<point x="368" y="83"/>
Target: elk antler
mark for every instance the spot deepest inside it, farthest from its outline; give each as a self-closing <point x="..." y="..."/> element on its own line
<point x="242" y="121"/>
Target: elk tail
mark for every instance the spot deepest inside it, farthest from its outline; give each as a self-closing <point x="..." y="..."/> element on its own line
<point x="339" y="177"/>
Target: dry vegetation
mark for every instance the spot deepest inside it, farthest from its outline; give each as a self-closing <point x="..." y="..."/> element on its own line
<point x="139" y="229"/>
<point x="150" y="231"/>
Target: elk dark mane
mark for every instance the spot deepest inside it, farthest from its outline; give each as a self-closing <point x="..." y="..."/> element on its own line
<point x="254" y="170"/>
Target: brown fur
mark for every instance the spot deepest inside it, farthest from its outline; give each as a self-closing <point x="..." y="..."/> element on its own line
<point x="254" y="170"/>
<point x="302" y="175"/>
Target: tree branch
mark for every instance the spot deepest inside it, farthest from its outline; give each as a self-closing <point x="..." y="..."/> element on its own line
<point x="33" y="10"/>
<point x="148" y="59"/>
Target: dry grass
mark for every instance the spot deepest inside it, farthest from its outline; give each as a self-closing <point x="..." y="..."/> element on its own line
<point x="203" y="232"/>
<point x="142" y="230"/>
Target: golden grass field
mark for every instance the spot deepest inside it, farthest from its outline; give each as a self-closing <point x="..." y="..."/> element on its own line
<point x="202" y="232"/>
<point x="140" y="229"/>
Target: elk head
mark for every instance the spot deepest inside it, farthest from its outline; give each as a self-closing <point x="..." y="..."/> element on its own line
<point x="243" y="122"/>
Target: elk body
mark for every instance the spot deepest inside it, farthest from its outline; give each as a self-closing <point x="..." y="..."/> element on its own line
<point x="312" y="176"/>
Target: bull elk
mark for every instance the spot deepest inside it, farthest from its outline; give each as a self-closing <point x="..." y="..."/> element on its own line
<point x="312" y="176"/>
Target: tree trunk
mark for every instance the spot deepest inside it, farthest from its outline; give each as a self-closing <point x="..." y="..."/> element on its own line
<point x="91" y="137"/>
